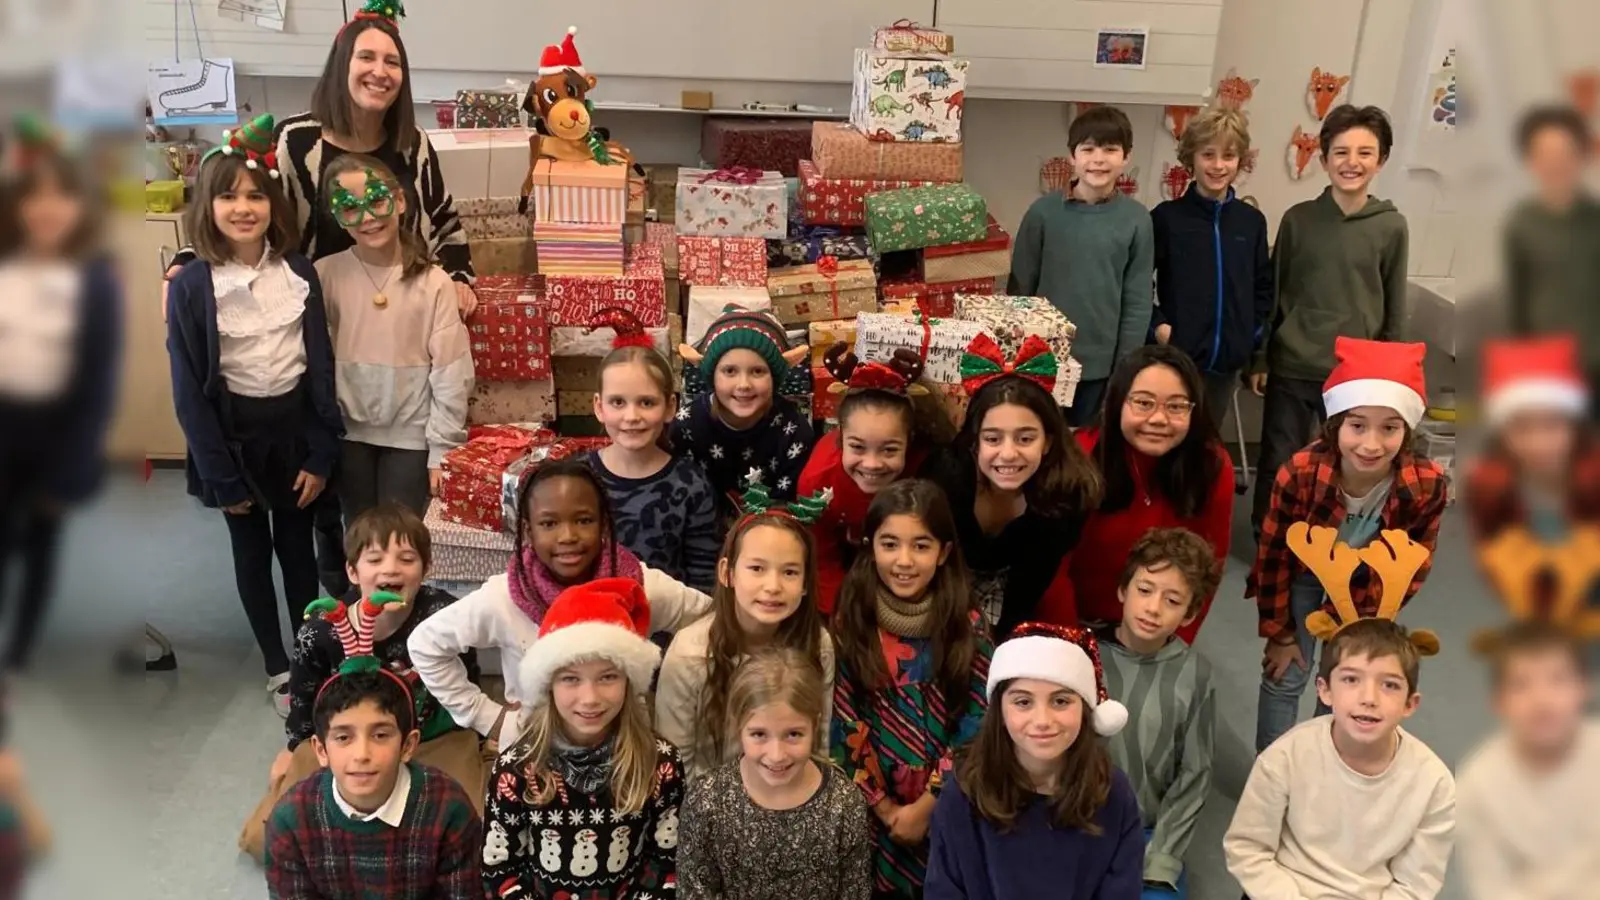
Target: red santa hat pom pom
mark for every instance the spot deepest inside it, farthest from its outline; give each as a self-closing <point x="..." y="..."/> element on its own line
<point x="606" y="619"/>
<point x="1532" y="374"/>
<point x="1377" y="373"/>
<point x="1069" y="657"/>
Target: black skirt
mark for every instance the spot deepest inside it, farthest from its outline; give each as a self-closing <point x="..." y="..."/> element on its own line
<point x="266" y="437"/>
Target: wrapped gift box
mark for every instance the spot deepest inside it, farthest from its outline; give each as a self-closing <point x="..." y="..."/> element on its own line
<point x="580" y="192"/>
<point x="497" y="402"/>
<point x="504" y="256"/>
<point x="509" y="334"/>
<point x="474" y="475"/>
<point x="841" y="151"/>
<point x="661" y="190"/>
<point x="732" y="203"/>
<point x="664" y="237"/>
<point x="580" y="258"/>
<point x="578" y="232"/>
<point x="463" y="554"/>
<point x="906" y="36"/>
<point x="575" y="300"/>
<point x="938" y="300"/>
<point x="989" y="258"/>
<point x="1010" y="319"/>
<point x="825" y="403"/>
<point x="880" y="334"/>
<point x="493" y="217"/>
<point x="706" y="303"/>
<point x="895" y="97"/>
<point x="768" y="144"/>
<point x="574" y="403"/>
<point x="809" y="243"/>
<point x="1067" y="379"/>
<point x="575" y="373"/>
<point x="805" y="294"/>
<point x="825" y="333"/>
<point x="926" y="217"/>
<point x="570" y="341"/>
<point x="841" y="201"/>
<point x="732" y="261"/>
<point x="492" y="108"/>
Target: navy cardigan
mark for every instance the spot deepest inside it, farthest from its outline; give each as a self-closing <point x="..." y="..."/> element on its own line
<point x="1214" y="282"/>
<point x="198" y="390"/>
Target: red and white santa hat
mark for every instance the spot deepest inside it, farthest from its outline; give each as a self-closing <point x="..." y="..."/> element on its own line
<point x="609" y="619"/>
<point x="564" y="55"/>
<point x="1377" y="373"/>
<point x="1069" y="657"/>
<point x="1528" y="374"/>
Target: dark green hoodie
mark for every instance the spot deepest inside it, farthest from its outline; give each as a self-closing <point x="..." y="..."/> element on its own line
<point x="1336" y="275"/>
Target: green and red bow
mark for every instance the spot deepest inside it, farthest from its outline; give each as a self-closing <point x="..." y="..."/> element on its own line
<point x="984" y="361"/>
<point x="251" y="141"/>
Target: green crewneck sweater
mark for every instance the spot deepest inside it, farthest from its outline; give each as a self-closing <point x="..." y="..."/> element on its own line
<point x="1095" y="263"/>
<point x="1337" y="275"/>
<point x="1553" y="272"/>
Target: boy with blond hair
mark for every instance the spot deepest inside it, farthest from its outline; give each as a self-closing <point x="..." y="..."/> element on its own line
<point x="1166" y="748"/>
<point x="1214" y="286"/>
<point x="1349" y="806"/>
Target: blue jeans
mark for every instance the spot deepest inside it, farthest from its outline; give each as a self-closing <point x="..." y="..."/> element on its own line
<point x="1278" y="705"/>
<point x="1158" y="893"/>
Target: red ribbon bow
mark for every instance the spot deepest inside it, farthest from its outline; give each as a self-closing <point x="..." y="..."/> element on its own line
<point x="733" y="175"/>
<point x="911" y="27"/>
<point x="828" y="267"/>
<point x="1034" y="361"/>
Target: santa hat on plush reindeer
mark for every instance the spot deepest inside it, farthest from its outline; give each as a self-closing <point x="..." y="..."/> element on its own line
<point x="1526" y="375"/>
<point x="1377" y="373"/>
<point x="609" y="619"/>
<point x="561" y="56"/>
<point x="1069" y="657"/>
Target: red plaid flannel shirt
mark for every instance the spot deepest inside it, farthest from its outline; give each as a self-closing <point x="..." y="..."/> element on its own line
<point x="1307" y="490"/>
<point x="1493" y="497"/>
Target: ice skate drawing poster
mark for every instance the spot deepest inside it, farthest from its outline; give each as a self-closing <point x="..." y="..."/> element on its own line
<point x="192" y="92"/>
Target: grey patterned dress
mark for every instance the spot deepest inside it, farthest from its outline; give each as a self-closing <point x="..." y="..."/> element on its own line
<point x="732" y="849"/>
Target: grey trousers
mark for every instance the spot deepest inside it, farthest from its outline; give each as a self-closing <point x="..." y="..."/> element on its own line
<point x="370" y="475"/>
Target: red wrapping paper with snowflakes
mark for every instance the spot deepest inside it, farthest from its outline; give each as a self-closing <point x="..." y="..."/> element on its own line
<point x="840" y="201"/>
<point x="641" y="289"/>
<point x="938" y="300"/>
<point x="722" y="261"/>
<point x="480" y="479"/>
<point x="508" y="332"/>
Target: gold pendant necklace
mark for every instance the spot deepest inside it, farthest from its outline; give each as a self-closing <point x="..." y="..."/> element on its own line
<point x="379" y="298"/>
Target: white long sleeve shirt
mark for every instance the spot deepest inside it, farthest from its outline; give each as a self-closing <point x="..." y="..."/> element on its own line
<point x="487" y="617"/>
<point x="1308" y="827"/>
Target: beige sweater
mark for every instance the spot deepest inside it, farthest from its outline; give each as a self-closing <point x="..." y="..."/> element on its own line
<point x="1528" y="836"/>
<point x="403" y="370"/>
<point x="681" y="687"/>
<point x="1308" y="827"/>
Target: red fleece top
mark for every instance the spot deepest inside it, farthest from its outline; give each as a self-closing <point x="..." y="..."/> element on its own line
<point x="1096" y="565"/>
<point x="838" y="532"/>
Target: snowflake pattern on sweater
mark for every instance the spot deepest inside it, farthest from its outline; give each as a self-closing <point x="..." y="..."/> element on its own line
<point x="778" y="444"/>
<point x="580" y="846"/>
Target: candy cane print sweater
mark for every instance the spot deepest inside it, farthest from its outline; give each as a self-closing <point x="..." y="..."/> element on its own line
<point x="488" y="618"/>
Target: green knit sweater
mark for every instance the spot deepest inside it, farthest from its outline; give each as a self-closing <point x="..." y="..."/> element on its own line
<point x="1553" y="273"/>
<point x="1095" y="263"/>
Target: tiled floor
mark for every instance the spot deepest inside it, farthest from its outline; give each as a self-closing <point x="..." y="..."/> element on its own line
<point x="156" y="773"/>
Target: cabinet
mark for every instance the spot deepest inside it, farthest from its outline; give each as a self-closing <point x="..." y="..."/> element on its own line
<point x="145" y="425"/>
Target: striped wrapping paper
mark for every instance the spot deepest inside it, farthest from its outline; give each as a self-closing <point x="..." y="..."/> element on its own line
<point x="580" y="192"/>
<point x="578" y="232"/>
<point x="579" y="258"/>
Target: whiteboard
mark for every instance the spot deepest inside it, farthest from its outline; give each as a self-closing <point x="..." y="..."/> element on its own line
<point x="726" y="40"/>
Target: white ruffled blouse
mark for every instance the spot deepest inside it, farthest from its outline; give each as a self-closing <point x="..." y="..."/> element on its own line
<point x="40" y="316"/>
<point x="259" y="313"/>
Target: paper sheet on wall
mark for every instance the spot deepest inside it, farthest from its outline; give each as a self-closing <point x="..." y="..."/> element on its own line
<point x="266" y="14"/>
<point x="1435" y="149"/>
<point x="192" y="92"/>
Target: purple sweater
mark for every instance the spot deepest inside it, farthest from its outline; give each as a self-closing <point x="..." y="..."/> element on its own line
<point x="972" y="860"/>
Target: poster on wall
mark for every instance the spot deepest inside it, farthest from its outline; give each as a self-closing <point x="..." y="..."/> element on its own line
<point x="1302" y="149"/>
<point x="1120" y="48"/>
<point x="1322" y="90"/>
<point x="1442" y="94"/>
<point x="192" y="92"/>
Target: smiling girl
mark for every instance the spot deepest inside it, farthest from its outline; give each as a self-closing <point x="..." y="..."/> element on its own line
<point x="585" y="802"/>
<point x="887" y="422"/>
<point x="404" y="368"/>
<point x="564" y="538"/>
<point x="766" y="585"/>
<point x="1359" y="477"/>
<point x="778" y="820"/>
<point x="252" y="380"/>
<point x="1037" y="809"/>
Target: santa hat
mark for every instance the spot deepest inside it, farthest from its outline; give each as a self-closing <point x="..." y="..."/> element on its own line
<point x="1376" y="373"/>
<point x="608" y="619"/>
<point x="1069" y="657"/>
<point x="561" y="56"/>
<point x="1532" y="374"/>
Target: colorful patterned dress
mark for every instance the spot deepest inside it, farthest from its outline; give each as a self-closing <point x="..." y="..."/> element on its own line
<point x="895" y="742"/>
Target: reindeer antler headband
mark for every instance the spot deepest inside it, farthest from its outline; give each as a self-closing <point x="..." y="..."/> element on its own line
<point x="1395" y="558"/>
<point x="353" y="626"/>
<point x="1517" y="562"/>
<point x="897" y="376"/>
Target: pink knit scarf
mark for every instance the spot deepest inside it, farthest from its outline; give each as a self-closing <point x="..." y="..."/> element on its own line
<point x="534" y="587"/>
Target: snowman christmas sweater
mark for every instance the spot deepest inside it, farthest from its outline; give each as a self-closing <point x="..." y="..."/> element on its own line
<point x="579" y="846"/>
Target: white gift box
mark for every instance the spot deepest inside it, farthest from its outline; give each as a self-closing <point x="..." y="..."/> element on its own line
<point x="878" y="335"/>
<point x="903" y="97"/>
<point x="706" y="303"/>
<point x="719" y="204"/>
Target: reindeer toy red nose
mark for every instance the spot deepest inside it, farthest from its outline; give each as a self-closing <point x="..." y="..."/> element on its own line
<point x="572" y="114"/>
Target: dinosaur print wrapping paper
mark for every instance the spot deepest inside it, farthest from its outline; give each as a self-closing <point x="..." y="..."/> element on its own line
<point x="732" y="203"/>
<point x="904" y="98"/>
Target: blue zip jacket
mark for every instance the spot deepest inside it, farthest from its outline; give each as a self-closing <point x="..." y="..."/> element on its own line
<point x="198" y="390"/>
<point x="1214" y="282"/>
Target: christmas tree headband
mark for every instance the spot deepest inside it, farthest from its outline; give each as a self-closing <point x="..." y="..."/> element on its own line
<point x="984" y="361"/>
<point x="389" y="11"/>
<point x="35" y="140"/>
<point x="630" y="332"/>
<point x="251" y="142"/>
<point x="757" y="500"/>
<point x="353" y="625"/>
<point x="1543" y="582"/>
<point x="897" y="376"/>
<point x="1395" y="558"/>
